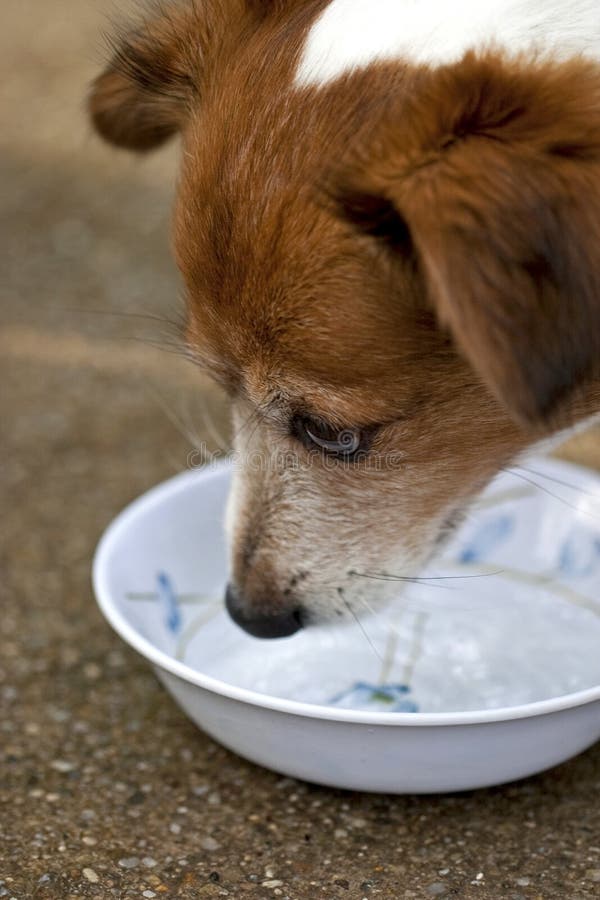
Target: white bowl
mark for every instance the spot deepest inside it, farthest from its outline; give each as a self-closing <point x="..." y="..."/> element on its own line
<point x="465" y="682"/>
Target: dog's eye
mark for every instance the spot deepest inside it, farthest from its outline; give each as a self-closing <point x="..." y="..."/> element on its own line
<point x="345" y="442"/>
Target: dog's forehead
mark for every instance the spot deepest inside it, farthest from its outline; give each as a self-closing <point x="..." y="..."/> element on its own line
<point x="317" y="321"/>
<point x="290" y="320"/>
<point x="281" y="293"/>
<point x="279" y="285"/>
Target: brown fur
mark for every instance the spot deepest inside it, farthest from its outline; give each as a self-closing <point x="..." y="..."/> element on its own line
<point x="408" y="250"/>
<point x="494" y="168"/>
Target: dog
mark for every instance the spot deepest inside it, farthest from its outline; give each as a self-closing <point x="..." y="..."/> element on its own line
<point x="387" y="223"/>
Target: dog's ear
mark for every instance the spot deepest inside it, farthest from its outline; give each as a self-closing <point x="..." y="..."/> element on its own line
<point x="143" y="96"/>
<point x="490" y="175"/>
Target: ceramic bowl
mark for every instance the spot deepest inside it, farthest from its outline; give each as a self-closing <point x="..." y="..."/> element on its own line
<point x="486" y="673"/>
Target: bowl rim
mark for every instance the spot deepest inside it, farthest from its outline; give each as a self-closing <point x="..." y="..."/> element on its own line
<point x="218" y="470"/>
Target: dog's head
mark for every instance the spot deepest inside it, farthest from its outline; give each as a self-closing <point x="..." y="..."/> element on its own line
<point x="396" y="276"/>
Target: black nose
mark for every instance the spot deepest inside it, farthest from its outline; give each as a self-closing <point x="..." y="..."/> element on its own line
<point x="262" y="625"/>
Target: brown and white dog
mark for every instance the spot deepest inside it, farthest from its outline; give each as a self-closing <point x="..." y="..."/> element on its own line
<point x="388" y="226"/>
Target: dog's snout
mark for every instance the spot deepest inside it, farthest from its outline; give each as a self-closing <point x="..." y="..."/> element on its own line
<point x="279" y="624"/>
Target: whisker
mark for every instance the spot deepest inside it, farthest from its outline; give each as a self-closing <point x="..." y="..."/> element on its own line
<point x="426" y="581"/>
<point x="559" y="481"/>
<point x="170" y="341"/>
<point x="366" y="605"/>
<point x="248" y="422"/>
<point x="177" y="324"/>
<point x="208" y="425"/>
<point x="255" y="419"/>
<point x="178" y="423"/>
<point x="398" y="579"/>
<point x="360" y="625"/>
<point x="166" y="345"/>
<point x="573" y="506"/>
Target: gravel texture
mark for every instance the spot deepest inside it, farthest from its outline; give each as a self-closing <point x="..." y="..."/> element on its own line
<point x="106" y="790"/>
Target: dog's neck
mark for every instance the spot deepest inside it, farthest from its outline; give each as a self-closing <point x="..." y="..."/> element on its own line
<point x="350" y="34"/>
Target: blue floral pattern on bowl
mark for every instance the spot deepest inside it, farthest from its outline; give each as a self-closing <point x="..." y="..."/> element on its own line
<point x="493" y="532"/>
<point x="376" y="698"/>
<point x="579" y="555"/>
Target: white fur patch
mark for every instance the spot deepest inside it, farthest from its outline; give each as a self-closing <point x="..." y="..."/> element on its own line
<point x="350" y="34"/>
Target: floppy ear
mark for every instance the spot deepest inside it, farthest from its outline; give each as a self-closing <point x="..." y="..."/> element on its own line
<point x="490" y="174"/>
<point x="143" y="96"/>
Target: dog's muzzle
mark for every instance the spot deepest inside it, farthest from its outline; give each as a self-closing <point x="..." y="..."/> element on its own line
<point x="262" y="625"/>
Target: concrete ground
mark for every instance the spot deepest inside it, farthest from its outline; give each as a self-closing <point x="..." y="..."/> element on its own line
<point x="106" y="790"/>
